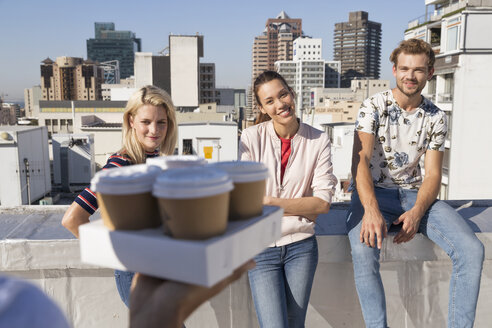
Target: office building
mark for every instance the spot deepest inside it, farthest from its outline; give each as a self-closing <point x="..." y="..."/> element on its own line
<point x="185" y="52"/>
<point x="110" y="45"/>
<point x="302" y="75"/>
<point x="306" y="48"/>
<point x="274" y="44"/>
<point x="71" y="78"/>
<point x="333" y="72"/>
<point x="357" y="45"/>
<point x="207" y="83"/>
<point x="118" y="92"/>
<point x="152" y="70"/>
<point x="307" y="70"/>
<point x="9" y="113"/>
<point x="32" y="97"/>
<point x="457" y="31"/>
<point x="335" y="105"/>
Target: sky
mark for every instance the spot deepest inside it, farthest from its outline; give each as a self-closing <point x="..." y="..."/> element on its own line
<point x="31" y="30"/>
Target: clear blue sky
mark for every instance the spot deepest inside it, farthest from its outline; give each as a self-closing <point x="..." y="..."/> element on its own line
<point x="32" y="30"/>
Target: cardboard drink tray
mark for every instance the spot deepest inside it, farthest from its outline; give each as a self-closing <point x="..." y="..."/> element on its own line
<point x="202" y="262"/>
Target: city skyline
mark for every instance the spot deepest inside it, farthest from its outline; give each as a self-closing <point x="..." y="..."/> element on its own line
<point x="228" y="30"/>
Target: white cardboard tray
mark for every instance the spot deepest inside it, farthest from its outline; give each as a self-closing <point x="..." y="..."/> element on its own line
<point x="203" y="262"/>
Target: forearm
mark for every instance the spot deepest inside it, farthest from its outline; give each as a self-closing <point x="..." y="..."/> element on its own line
<point x="365" y="186"/>
<point x="304" y="206"/>
<point x="427" y="193"/>
<point x="74" y="217"/>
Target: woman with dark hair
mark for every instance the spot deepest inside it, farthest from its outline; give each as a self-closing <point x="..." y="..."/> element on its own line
<point x="149" y="130"/>
<point x="302" y="183"/>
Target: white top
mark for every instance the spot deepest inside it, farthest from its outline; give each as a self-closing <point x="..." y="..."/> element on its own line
<point x="309" y="171"/>
<point x="401" y="138"/>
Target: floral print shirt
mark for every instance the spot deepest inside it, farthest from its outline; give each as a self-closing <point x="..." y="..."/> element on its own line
<point x="401" y="138"/>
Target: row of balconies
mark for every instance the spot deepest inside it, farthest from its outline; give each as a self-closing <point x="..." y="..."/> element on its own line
<point x="436" y="15"/>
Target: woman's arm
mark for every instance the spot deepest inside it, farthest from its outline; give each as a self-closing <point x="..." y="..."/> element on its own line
<point x="308" y="207"/>
<point x="74" y="217"/>
<point x="322" y="185"/>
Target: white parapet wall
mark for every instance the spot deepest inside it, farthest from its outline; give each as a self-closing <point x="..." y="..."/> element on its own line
<point x="35" y="247"/>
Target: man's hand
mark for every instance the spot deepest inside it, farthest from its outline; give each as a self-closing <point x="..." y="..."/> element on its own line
<point x="411" y="220"/>
<point x="163" y="303"/>
<point x="373" y="227"/>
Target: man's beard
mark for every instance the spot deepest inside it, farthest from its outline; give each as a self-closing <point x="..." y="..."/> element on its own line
<point x="412" y="92"/>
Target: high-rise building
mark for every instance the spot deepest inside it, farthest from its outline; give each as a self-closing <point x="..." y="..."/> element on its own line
<point x="302" y="75"/>
<point x="357" y="45"/>
<point x="307" y="70"/>
<point x="457" y="32"/>
<point x="71" y="78"/>
<point x="333" y="71"/>
<point x="109" y="45"/>
<point x="306" y="48"/>
<point x="274" y="44"/>
<point x="185" y="52"/>
<point x="207" y="83"/>
<point x="32" y="97"/>
<point x="179" y="71"/>
<point x="152" y="70"/>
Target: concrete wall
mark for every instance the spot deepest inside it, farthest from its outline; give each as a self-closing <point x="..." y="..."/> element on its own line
<point x="34" y="246"/>
<point x="143" y="69"/>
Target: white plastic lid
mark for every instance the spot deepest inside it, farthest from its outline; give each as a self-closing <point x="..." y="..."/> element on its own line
<point x="127" y="180"/>
<point x="243" y="171"/>
<point x="194" y="182"/>
<point x="176" y="161"/>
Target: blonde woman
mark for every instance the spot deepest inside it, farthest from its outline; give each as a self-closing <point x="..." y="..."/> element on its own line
<point x="149" y="130"/>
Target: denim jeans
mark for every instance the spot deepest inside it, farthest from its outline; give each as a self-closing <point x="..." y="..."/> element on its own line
<point x="441" y="224"/>
<point x="281" y="283"/>
<point x="123" y="281"/>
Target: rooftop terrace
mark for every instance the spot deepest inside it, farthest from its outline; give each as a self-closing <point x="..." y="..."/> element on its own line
<point x="34" y="246"/>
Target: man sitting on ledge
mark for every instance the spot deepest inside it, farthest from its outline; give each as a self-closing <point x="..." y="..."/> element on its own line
<point x="394" y="129"/>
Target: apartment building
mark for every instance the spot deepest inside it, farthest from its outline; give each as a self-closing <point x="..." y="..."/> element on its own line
<point x="71" y="78"/>
<point x="457" y="31"/>
<point x="357" y="45"/>
<point x="274" y="44"/>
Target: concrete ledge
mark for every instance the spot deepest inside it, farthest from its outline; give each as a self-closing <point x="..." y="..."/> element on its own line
<point x="34" y="246"/>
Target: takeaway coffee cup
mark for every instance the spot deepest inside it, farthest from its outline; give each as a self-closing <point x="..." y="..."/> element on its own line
<point x="249" y="180"/>
<point x="125" y="197"/>
<point x="194" y="202"/>
<point x="176" y="161"/>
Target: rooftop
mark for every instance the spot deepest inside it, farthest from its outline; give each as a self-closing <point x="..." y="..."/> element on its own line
<point x="34" y="246"/>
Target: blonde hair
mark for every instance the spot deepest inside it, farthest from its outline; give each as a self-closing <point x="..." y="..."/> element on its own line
<point x="148" y="95"/>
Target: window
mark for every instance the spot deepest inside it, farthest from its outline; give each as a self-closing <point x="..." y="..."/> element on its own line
<point x="449" y="84"/>
<point x="187" y="147"/>
<point x="452" y="40"/>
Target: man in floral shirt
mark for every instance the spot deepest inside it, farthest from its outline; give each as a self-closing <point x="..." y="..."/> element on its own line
<point x="393" y="130"/>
